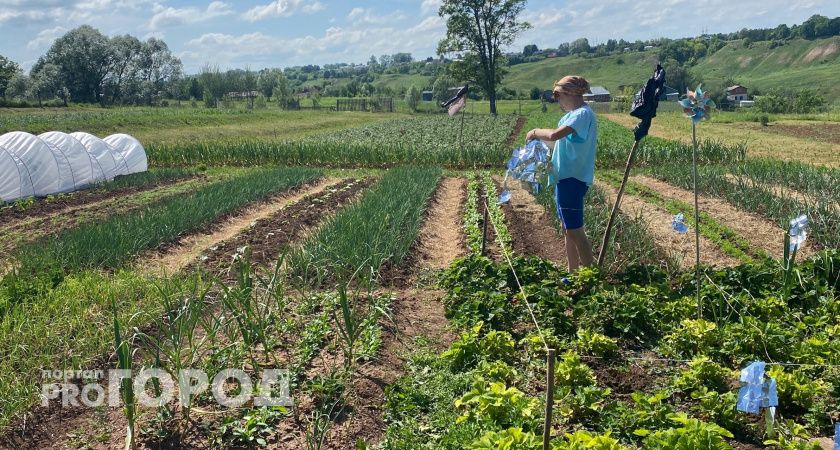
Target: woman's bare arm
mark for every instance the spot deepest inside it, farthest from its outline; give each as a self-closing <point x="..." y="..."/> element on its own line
<point x="549" y="134"/>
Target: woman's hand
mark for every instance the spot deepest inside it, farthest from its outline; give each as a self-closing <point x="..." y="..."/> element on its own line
<point x="531" y="135"/>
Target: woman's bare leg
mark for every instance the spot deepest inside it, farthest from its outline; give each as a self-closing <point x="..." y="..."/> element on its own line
<point x="572" y="252"/>
<point x="582" y="248"/>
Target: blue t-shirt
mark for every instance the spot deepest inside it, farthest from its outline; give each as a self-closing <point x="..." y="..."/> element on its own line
<point x="574" y="155"/>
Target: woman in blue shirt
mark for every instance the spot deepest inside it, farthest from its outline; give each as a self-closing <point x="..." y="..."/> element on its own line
<point x="572" y="164"/>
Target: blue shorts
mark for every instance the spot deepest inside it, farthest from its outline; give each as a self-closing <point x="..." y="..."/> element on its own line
<point x="569" y="193"/>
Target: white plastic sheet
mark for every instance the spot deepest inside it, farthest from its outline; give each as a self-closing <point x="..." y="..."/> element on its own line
<point x="15" y="182"/>
<point x="102" y="152"/>
<point x="44" y="171"/>
<point x="81" y="163"/>
<point x="131" y="149"/>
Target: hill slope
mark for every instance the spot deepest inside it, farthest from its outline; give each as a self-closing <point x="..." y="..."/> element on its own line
<point x="608" y="71"/>
<point x="799" y="64"/>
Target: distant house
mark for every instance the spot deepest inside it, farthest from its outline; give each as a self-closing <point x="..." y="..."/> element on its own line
<point x="669" y="94"/>
<point x="648" y="47"/>
<point x="598" y="94"/>
<point x="551" y="55"/>
<point x="736" y="93"/>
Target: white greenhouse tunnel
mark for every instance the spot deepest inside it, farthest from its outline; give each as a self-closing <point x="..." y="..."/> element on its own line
<point x="55" y="162"/>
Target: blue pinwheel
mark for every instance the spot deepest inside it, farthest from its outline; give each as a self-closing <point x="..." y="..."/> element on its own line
<point x="697" y="105"/>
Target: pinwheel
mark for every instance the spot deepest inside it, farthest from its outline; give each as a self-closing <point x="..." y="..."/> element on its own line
<point x="697" y="105"/>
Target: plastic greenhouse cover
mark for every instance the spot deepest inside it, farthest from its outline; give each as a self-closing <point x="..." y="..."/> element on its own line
<point x="102" y="152"/>
<point x="131" y="149"/>
<point x="38" y="159"/>
<point x="66" y="182"/>
<point x="15" y="182"/>
<point x="80" y="161"/>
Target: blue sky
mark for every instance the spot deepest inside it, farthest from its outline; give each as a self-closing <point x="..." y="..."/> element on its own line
<point x="280" y="33"/>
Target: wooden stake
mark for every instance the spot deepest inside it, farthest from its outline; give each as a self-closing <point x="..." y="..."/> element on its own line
<point x="602" y="255"/>
<point x="696" y="221"/>
<point x="484" y="231"/>
<point x="549" y="400"/>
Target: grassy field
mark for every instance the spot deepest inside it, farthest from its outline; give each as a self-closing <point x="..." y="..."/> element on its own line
<point x="185" y="124"/>
<point x="761" y="141"/>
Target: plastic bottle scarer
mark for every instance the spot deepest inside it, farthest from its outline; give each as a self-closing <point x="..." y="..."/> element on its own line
<point x="526" y="164"/>
<point x="798" y="232"/>
<point x="678" y="224"/>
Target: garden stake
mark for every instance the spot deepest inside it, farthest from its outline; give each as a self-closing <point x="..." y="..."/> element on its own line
<point x="549" y="400"/>
<point x="605" y="243"/>
<point x="696" y="221"/>
<point x="644" y="107"/>
<point x="484" y="231"/>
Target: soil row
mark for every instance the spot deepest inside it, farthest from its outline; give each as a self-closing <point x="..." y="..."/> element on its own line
<point x="64" y="203"/>
<point x="531" y="227"/>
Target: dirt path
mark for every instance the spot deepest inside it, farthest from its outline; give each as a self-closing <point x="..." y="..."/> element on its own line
<point x="758" y="231"/>
<point x="658" y="223"/>
<point x="190" y="247"/>
<point x="443" y="227"/>
<point x="415" y="312"/>
<point x="531" y="226"/>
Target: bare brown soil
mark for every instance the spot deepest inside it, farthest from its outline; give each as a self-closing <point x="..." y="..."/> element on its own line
<point x="441" y="239"/>
<point x="514" y="135"/>
<point x="828" y="132"/>
<point x="758" y="231"/>
<point x="271" y="217"/>
<point x="531" y="227"/>
<point x="658" y="222"/>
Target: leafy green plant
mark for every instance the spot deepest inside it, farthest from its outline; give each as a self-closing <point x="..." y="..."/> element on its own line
<point x="497" y="404"/>
<point x="572" y="373"/>
<point x="702" y="372"/>
<point x="584" y="440"/>
<point x="251" y="430"/>
<point x="691" y="434"/>
<point x="692" y="337"/>
<point x="472" y="347"/>
<point x="595" y="344"/>
<point x="509" y="439"/>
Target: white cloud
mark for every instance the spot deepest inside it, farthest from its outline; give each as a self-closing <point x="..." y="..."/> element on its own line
<point x="430" y="6"/>
<point x="46" y="37"/>
<point x="429" y="24"/>
<point x="165" y="16"/>
<point x="362" y="16"/>
<point x="282" y="8"/>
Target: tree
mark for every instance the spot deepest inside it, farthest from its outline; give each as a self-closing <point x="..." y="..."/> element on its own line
<point x="18" y="86"/>
<point x="249" y="85"/>
<point x="580" y="46"/>
<point x="156" y="67"/>
<point x="85" y="59"/>
<point x="678" y="76"/>
<point x="529" y="50"/>
<point x="126" y="50"/>
<point x="536" y="93"/>
<point x="440" y="88"/>
<point x="412" y="98"/>
<point x="45" y="83"/>
<point x="8" y="69"/>
<point x="480" y="29"/>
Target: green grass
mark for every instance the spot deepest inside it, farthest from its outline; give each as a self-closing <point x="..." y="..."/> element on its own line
<point x="158" y="126"/>
<point x="423" y="140"/>
<point x="377" y="230"/>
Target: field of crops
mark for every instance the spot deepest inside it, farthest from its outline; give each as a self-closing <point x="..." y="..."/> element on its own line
<point x="320" y="253"/>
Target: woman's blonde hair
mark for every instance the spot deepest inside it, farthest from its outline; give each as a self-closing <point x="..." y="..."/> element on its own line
<point x="572" y="85"/>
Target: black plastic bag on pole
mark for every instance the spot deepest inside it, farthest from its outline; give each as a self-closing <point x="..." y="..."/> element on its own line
<point x="646" y="102"/>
